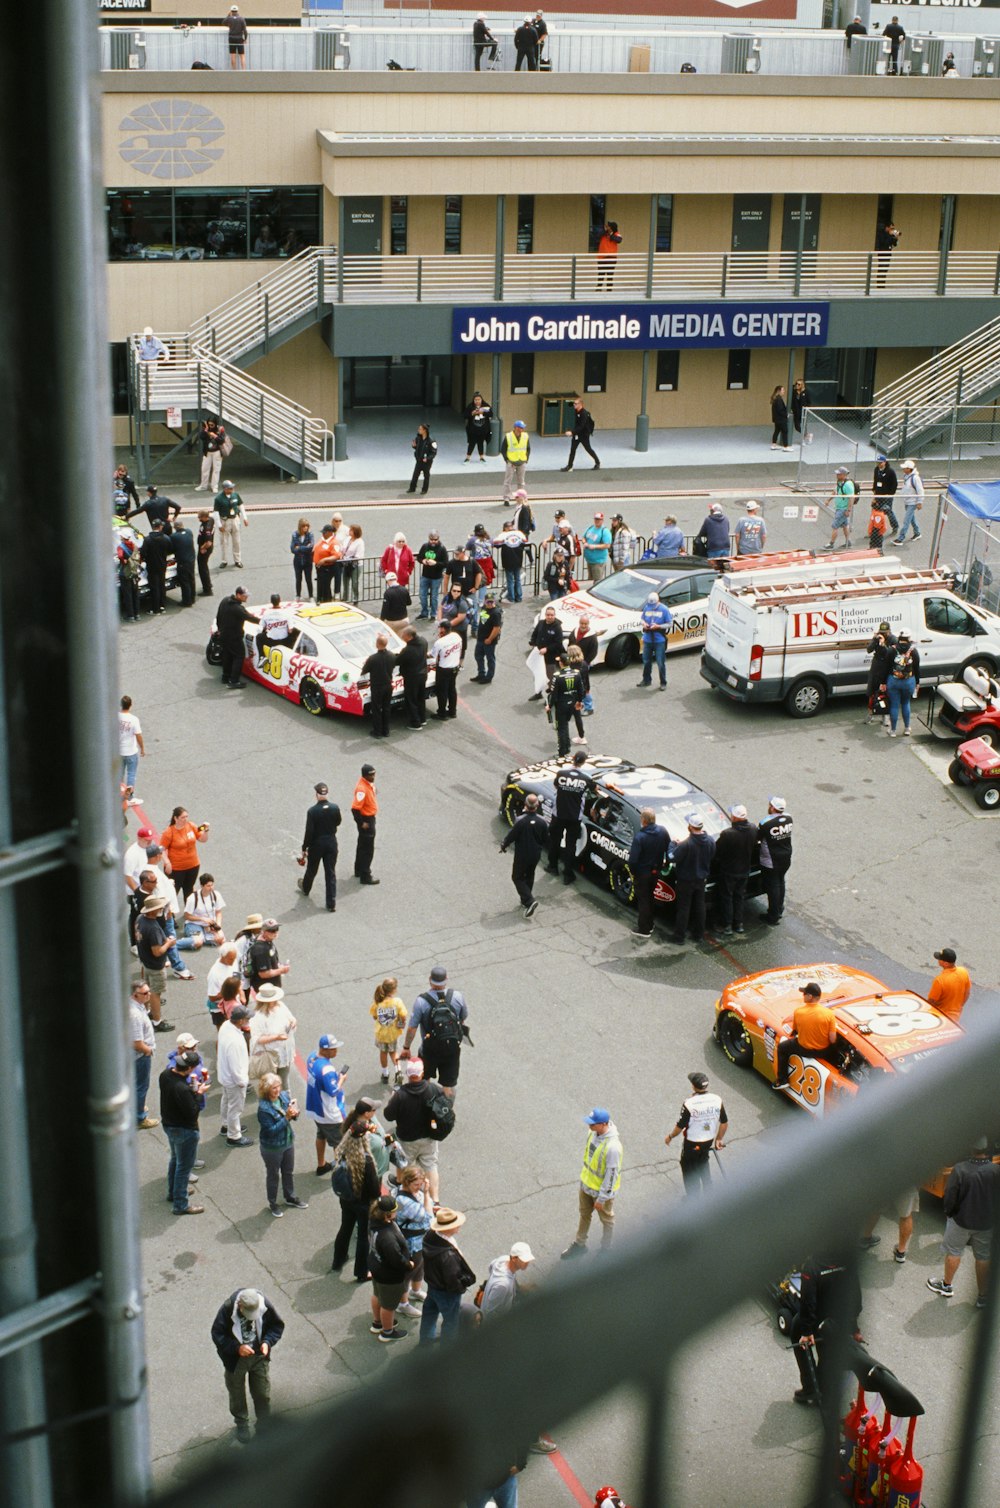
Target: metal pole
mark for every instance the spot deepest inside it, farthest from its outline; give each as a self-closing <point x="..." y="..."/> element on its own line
<point x="799" y="250"/>
<point x="954" y="422"/>
<point x="496" y="435"/>
<point x="642" y="418"/>
<point x="651" y="251"/>
<point x="498" y="253"/>
<point x="79" y="311"/>
<point x="341" y="220"/>
<point x="947" y="227"/>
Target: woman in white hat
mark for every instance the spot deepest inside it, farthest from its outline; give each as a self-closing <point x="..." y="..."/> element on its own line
<point x="273" y="1027"/>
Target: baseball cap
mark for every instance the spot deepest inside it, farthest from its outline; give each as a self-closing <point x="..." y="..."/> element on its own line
<point x="752" y="506"/>
<point x="186" y="1041"/>
<point x="227" y="484"/>
<point x="909" y="465"/>
<point x="386" y="1205"/>
<point x="367" y="771"/>
<point x="270" y="925"/>
<point x="248" y="1299"/>
<point x="186" y="1060"/>
<point x="391" y="575"/>
<point x="652" y="597"/>
<point x="693" y="820"/>
<point x="328" y="529"/>
<point x="239" y="1013"/>
<point x="600" y="516"/>
<point x="811" y="989"/>
<point x="698" y="1080"/>
<point x="579" y="757"/>
<point x="778" y="802"/>
<point x="329" y="1040"/>
<point x="946" y="955"/>
<point x="490" y="596"/>
<point x="322" y="788"/>
<point x="597" y="1117"/>
<point x="439" y="974"/>
<point x="522" y="1251"/>
<point x="153" y="850"/>
<point x="519" y="424"/>
<point x="367" y="1105"/>
<point x="146" y="834"/>
<point x="881" y="458"/>
<point x="715" y="508"/>
<point x="414" y="1068"/>
<point x="739" y="812"/>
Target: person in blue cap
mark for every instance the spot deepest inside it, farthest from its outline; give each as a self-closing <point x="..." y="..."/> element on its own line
<point x="516" y="451"/>
<point x="600" y="1178"/>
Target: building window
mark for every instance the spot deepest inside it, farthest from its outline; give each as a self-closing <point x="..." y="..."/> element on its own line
<point x="397" y="226"/>
<point x="667" y="368"/>
<point x="598" y="217"/>
<point x="119" y="376"/>
<point x="453" y="224"/>
<point x="738" y="375"/>
<point x="194" y="225"/>
<point x="522" y="371"/>
<point x="525" y="224"/>
<point x="595" y="371"/>
<point x="664" y="221"/>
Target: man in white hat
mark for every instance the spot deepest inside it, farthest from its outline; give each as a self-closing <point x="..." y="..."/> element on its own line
<point x="715" y="533"/>
<point x="502" y="1288"/>
<point x="244" y="1332"/>
<point x="912" y="496"/>
<point x="151" y="348"/>
<point x="692" y="865"/>
<point x="751" y="531"/>
<point x="482" y="38"/>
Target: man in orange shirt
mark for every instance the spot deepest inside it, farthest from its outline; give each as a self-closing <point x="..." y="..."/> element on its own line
<point x="607" y="251"/>
<point x="364" y="808"/>
<point x="326" y="554"/>
<point x="950" y="989"/>
<point x="814" y="1032"/>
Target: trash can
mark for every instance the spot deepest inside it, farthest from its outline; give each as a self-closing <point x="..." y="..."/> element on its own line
<point x="555" y="413"/>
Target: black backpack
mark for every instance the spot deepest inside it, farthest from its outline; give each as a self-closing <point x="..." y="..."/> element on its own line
<point x="341" y="1182"/>
<point x="443" y="1024"/>
<point x="440" y="1113"/>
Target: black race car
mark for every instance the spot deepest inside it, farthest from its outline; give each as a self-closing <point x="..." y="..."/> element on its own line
<point x="611" y="816"/>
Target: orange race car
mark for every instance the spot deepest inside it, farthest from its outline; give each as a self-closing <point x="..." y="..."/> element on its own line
<point x="879" y="1030"/>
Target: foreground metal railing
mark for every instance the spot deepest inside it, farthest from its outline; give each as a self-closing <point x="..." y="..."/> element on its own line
<point x="809" y="1191"/>
<point x="930" y="395"/>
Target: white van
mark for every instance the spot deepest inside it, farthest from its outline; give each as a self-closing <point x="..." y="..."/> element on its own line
<point x="800" y="635"/>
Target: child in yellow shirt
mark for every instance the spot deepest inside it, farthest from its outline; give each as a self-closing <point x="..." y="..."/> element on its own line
<point x="389" y="1014"/>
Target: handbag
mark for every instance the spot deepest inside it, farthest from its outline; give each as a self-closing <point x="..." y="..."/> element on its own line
<point x="262" y="1061"/>
<point x="226" y="448"/>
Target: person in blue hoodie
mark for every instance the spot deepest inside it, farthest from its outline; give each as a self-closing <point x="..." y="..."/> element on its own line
<point x="646" y="858"/>
<point x="692" y="859"/>
<point x="656" y="623"/>
<point x="715" y="532"/>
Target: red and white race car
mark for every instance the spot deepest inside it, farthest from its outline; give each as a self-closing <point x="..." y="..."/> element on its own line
<point x="319" y="664"/>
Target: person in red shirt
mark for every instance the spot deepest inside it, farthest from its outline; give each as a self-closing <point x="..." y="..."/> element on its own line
<point x="607" y="251"/>
<point x="878" y="522"/>
<point x="398" y="558"/>
<point x="950" y="989"/>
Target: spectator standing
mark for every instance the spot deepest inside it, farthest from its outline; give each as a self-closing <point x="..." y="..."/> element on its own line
<point x="556" y="577"/>
<point x="232" y="1070"/>
<point x="179" y="841"/>
<point x="213" y="437"/>
<point x="325" y="1105"/>
<point x="354" y="554"/>
<point x="446" y="657"/>
<point x="398" y="560"/>
<point x="715" y="533"/>
<point x="364" y="810"/>
<point x="775" y="856"/>
<point x="482" y="38"/>
<point x="478" y="414"/>
<point x="668" y="542"/>
<point x="692" y="866"/>
<point x="447" y="1274"/>
<point x="129" y="568"/>
<point x="390" y="1264"/>
<point x="463" y="571"/>
<point x="326" y="557"/>
<point x="896" y="36"/>
<point x="244" y="1332"/>
<point x="541" y="33"/>
<point x="409" y="1107"/>
<point x="586" y="642"/>
<point x="516" y="452"/>
<point x="657" y="621"/>
<point x="206" y="544"/>
<point x="902" y="1209"/>
<point x="882" y="648"/>
<point x="272" y="1035"/>
<point x="600" y="1179"/>
<point x="224" y="968"/>
<point x="123" y="488"/>
<point x="903" y="684"/>
<point x="488" y="626"/>
<point x="623" y="539"/>
<point x="512" y="545"/>
<point x="801" y="400"/>
<point x="412" y="663"/>
<point x="582" y="432"/>
<point x="596" y="548"/>
<point x="853" y="29"/>
<point x="414" y="1216"/>
<point x="912" y="497"/>
<point x="143" y="1045"/>
<point x="439" y="1014"/>
<point x="356" y="1186"/>
<point x="480" y="547"/>
<point x="238" y="36"/>
<point x="779" y="420"/>
<point x="646" y="858"/>
<point x="969" y="1203"/>
<point x="180" y="1107"/>
<point x="424" y="451"/>
<point x="607" y="255"/>
<point x="301" y="547"/>
<point x="275" y="1115"/>
<point x="130" y="745"/>
<point x="529" y="838"/>
<point x="389" y="1015"/>
<point x="703" y="1125"/>
<point x="152" y="946"/>
<point x="951" y="986"/>
<point x="501" y="1289"/>
<point x="735" y="850"/>
<point x="228" y="505"/>
<point x="751" y="531"/>
<point x="842" y="503"/>
<point x="878" y="523"/>
<point x="884" y="487"/>
<point x="433" y="559"/>
<point x="319" y="844"/>
<point x="526" y="46"/>
<point x="887" y="236"/>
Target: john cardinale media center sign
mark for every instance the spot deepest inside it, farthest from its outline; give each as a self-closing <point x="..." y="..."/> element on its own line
<point x="637" y="327"/>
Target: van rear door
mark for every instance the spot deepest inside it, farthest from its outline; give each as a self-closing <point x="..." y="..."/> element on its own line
<point x="732" y="656"/>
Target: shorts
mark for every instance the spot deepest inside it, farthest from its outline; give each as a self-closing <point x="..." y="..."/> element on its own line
<point x="239" y="47"/>
<point x="423" y="1152"/>
<point x="329" y="1131"/>
<point x="841" y="519"/>
<point x="392" y="1043"/>
<point x="389" y="1295"/>
<point x="956" y="1239"/>
<point x="443" y="1067"/>
<point x="906" y="1204"/>
<point x="217" y="1017"/>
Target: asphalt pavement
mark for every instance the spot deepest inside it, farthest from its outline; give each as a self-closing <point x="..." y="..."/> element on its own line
<point x="567" y="1011"/>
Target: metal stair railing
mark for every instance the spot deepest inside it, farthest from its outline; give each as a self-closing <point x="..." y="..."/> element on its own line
<point x="249" y="319"/>
<point x="928" y="394"/>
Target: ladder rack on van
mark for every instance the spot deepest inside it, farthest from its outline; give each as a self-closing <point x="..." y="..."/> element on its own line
<point x="908" y="580"/>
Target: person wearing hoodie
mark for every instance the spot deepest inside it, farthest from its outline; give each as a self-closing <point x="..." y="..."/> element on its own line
<point x="692" y="865"/>
<point x="715" y="532"/>
<point x="735" y="850"/>
<point x="448" y="1275"/>
<point x="407" y="1108"/>
<point x="245" y="1331"/>
<point x="646" y="858"/>
<point x="501" y="1287"/>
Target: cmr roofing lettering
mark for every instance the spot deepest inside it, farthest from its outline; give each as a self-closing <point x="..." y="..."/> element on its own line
<point x="639" y="327"/>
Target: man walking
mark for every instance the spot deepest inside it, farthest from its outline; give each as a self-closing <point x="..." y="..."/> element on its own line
<point x="440" y="1014"/>
<point x="364" y="809"/>
<point x="516" y="451"/>
<point x="969" y="1203"/>
<point x="735" y="848"/>
<point x="565" y="696"/>
<point x="843" y="506"/>
<point x="180" y="1107"/>
<point x="646" y="858"/>
<point x="319" y="845"/>
<point x="155" y="551"/>
<point x="583" y="429"/>
<point x="244" y="1332"/>
<point x="412" y="663"/>
<point x="380" y="668"/>
<point x="232" y="1069"/>
<point x="775" y="856"/>
<point x="596" y="548"/>
<point x="131" y="747"/>
<point x="703" y="1125"/>
<point x="572" y="787"/>
<point x="230" y="621"/>
<point x="325" y="1104"/>
<point x="528" y="836"/>
<point x="657" y="620"/>
<point x="206" y="544"/>
<point x="489" y="622"/>
<point x="912" y="497"/>
<point x="600" y="1178"/>
<point x="232" y="517"/>
<point x="692" y="865"/>
<point x="951" y="987"/>
<point x="884" y="486"/>
<point x="408" y="1108"/>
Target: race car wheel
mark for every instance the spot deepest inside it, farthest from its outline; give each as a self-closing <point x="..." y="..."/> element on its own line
<point x="513" y="804"/>
<point x="987" y="796"/>
<point x="213" y="651"/>
<point x="955" y="772"/>
<point x="311" y="698"/>
<point x="806" y="698"/>
<point x="621" y="651"/>
<point x="622" y="882"/>
<point x="734" y="1041"/>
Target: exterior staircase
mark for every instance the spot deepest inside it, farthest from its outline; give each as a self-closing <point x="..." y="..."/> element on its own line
<point x="918" y="408"/>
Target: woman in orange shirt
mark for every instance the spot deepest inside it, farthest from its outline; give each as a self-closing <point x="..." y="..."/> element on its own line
<point x="180" y="842"/>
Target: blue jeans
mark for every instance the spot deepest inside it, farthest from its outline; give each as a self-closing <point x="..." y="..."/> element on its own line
<point x="183" y="1151"/>
<point x="504" y="1496"/>
<point x="486" y="659"/>
<point x="194" y="930"/>
<point x="899" y="692"/>
<point x="513" y="586"/>
<point x="654" y="651"/>
<point x="588" y="701"/>
<point x="556" y="592"/>
<point x="430" y="591"/>
<point x="909" y="521"/>
<point x="143" y="1069"/>
<point x="130" y="763"/>
<point x="447" y="1305"/>
<point x="173" y="957"/>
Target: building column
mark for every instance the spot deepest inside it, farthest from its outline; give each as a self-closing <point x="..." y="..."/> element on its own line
<point x="496" y="431"/>
<point x="642" y="418"/>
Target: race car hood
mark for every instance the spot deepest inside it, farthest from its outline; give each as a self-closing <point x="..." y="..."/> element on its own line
<point x="669" y="794"/>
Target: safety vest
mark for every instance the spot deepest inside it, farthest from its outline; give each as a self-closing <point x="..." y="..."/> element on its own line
<point x="517" y="448"/>
<point x="705" y="1112"/>
<point x="595" y="1162"/>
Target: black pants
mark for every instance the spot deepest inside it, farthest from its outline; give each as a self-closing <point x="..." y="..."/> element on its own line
<point x="730" y="895"/>
<point x="185" y="580"/>
<point x="530" y="58"/>
<point x="420" y="468"/>
<point x="559" y="828"/>
<point x="478" y="438"/>
<point x="303" y="572"/>
<point x="695" y="1169"/>
<point x="324" y="581"/>
<point x="326" y="854"/>
<point x="205" y="572"/>
<point x="479" y="48"/>
<point x="157" y="583"/>
<point x="562" y="730"/>
<point x="352" y="1213"/>
<point x="689" y="909"/>
<point x="446" y="690"/>
<point x="365" y="851"/>
<point x="779" y="435"/>
<point x="128" y="597"/>
<point x="645" y="884"/>
<point x="381" y="701"/>
<point x="523" y="875"/>
<point x="584" y="442"/>
<point x="232" y="662"/>
<point x="415" y="698"/>
<point x="606" y="272"/>
<point x="774" y="884"/>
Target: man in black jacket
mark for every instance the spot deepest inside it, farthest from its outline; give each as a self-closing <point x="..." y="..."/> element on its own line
<point x="775" y="856"/>
<point x="572" y="789"/>
<point x="884" y="485"/>
<point x="482" y="38"/>
<point x="407" y="1107"/>
<point x="412" y="662"/>
<point x="583" y="428"/>
<point x="692" y="865"/>
<point x="969" y="1202"/>
<point x="646" y="858"/>
<point x="547" y="637"/>
<point x="489" y="622"/>
<point x="896" y="36"/>
<point x="830" y="1299"/>
<point x="882" y="648"/>
<point x="156" y="507"/>
<point x="244" y="1332"/>
<point x="735" y="850"/>
<point x="156" y="550"/>
<point x="206" y="544"/>
<point x="319" y="846"/>
<point x="231" y="617"/>
<point x="526" y="43"/>
<point x="380" y="668"/>
<point x="529" y="837"/>
<point x="448" y="1275"/>
<point x="182" y="545"/>
<point x="565" y="697"/>
<point x="180" y="1107"/>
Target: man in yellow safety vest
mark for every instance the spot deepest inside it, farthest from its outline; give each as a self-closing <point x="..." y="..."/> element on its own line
<point x="516" y="449"/>
<point x="599" y="1179"/>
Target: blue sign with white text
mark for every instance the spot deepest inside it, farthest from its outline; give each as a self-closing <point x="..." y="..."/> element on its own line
<point x="638" y="327"/>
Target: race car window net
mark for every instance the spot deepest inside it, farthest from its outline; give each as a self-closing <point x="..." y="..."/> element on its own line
<point x="358" y="642"/>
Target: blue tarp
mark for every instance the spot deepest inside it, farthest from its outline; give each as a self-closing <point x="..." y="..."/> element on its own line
<point x="979" y="500"/>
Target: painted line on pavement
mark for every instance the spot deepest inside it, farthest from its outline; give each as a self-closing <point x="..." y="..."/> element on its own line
<point x="488" y="728"/>
<point x="570" y="1479"/>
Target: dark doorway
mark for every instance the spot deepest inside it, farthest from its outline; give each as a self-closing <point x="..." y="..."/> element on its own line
<point x="398" y="381"/>
<point x="791" y="215"/>
<point x="362" y="227"/>
<point x="751" y="222"/>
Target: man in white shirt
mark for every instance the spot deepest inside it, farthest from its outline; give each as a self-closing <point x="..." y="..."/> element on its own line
<point x="130" y="744"/>
<point x="135" y="860"/>
<point x="225" y="967"/>
<point x="275" y="626"/>
<point x="143" y="1041"/>
<point x="446" y="656"/>
<point x="232" y="1070"/>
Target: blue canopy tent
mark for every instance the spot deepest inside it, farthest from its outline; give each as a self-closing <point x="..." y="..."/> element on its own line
<point x="968" y="531"/>
<point x="976" y="499"/>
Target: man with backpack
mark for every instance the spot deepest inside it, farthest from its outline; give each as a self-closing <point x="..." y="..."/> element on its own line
<point x="440" y="1014"/>
<point x="410" y="1108"/>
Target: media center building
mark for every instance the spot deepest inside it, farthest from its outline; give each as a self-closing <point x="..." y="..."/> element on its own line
<point x="459" y="216"/>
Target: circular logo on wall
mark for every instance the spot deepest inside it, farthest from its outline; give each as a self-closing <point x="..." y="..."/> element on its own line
<point x="171" y="138"/>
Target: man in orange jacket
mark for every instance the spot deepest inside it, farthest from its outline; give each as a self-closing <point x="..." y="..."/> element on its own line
<point x="326" y="554"/>
<point x="364" y="808"/>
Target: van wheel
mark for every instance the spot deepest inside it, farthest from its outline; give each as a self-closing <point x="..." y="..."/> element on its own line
<point x="987" y="796"/>
<point x="732" y="1037"/>
<point x="311" y="698"/>
<point x="806" y="698"/>
<point x="955" y="772"/>
<point x="621" y="651"/>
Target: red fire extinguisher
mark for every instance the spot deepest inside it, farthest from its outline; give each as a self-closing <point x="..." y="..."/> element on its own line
<point x="850" y="1428"/>
<point x="869" y="1436"/>
<point x="905" y="1478"/>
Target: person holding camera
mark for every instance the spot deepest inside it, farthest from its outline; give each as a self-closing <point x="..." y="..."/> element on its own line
<point x="244" y="1332"/>
<point x="275" y="1115"/>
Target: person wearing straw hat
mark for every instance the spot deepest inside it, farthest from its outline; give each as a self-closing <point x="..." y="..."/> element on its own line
<point x="447" y="1275"/>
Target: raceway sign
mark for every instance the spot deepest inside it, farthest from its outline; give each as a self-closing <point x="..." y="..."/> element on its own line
<point x="640" y="327"/>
